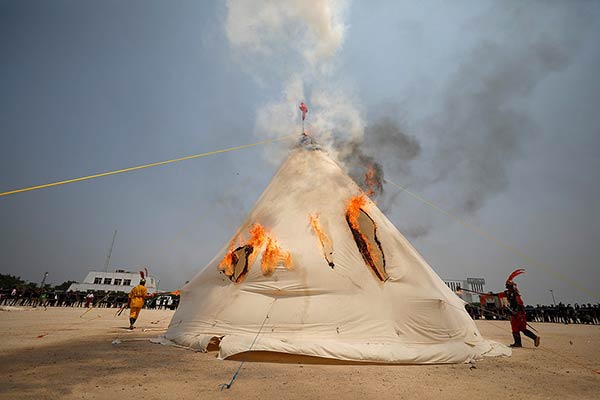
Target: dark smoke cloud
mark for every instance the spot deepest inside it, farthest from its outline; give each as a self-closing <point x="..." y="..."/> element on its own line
<point x="386" y="138"/>
<point x="413" y="232"/>
<point x="357" y="163"/>
<point x="383" y="143"/>
<point x="480" y="118"/>
<point x="483" y="117"/>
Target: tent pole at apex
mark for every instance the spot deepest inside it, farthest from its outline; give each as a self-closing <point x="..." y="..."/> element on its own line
<point x="304" y="110"/>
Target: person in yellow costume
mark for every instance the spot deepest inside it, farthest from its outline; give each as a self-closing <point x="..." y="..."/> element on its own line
<point x="136" y="299"/>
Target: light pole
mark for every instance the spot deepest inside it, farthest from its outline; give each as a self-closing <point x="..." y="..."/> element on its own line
<point x="43" y="280"/>
<point x="552" y="293"/>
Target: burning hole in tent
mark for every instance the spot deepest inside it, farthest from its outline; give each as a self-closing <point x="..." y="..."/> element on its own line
<point x="237" y="262"/>
<point x="364" y="232"/>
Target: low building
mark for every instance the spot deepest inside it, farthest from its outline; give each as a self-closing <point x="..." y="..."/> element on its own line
<point x="117" y="281"/>
<point x="472" y="284"/>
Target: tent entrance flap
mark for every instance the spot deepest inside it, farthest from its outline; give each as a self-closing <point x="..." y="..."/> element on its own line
<point x="365" y="236"/>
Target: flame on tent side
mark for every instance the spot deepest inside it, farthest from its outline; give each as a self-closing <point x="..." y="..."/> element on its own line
<point x="257" y="235"/>
<point x="326" y="244"/>
<point x="353" y="210"/>
<point x="226" y="264"/>
<point x="288" y="261"/>
<point x="272" y="256"/>
<point x="257" y="238"/>
<point x="323" y="238"/>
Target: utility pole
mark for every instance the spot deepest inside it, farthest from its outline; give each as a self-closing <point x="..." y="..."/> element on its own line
<point x="110" y="251"/>
<point x="552" y="293"/>
<point x="43" y="280"/>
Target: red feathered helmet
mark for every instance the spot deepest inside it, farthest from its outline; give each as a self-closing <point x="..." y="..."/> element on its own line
<point x="515" y="273"/>
<point x="143" y="280"/>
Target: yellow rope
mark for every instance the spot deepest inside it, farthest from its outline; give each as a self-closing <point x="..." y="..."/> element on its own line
<point x="499" y="242"/>
<point x="155" y="164"/>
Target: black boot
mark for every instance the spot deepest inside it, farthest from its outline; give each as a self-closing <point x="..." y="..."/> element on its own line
<point x="532" y="336"/>
<point x="517" y="338"/>
<point x="131" y="322"/>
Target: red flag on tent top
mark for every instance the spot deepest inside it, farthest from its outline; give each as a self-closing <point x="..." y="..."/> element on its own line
<point x="304" y="110"/>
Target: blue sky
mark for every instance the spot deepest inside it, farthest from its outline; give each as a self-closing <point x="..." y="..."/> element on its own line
<point x="501" y="97"/>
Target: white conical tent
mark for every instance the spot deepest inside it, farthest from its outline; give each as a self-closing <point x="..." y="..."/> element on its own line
<point x="348" y="311"/>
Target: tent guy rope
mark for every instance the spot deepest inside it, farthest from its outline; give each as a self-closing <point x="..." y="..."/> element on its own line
<point x="154" y="164"/>
<point x="235" y="374"/>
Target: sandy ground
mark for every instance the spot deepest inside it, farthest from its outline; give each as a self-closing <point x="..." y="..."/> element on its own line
<point x="75" y="359"/>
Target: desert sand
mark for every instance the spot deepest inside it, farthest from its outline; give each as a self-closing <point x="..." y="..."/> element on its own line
<point x="59" y="354"/>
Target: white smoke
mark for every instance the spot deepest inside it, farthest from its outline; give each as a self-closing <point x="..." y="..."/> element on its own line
<point x="292" y="46"/>
<point x="270" y="29"/>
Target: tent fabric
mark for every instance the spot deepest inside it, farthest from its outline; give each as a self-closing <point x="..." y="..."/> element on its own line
<point x="342" y="312"/>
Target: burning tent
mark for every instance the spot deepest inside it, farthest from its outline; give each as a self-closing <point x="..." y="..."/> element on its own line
<point x="318" y="270"/>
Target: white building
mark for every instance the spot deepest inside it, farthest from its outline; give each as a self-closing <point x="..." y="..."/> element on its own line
<point x="118" y="281"/>
<point x="474" y="284"/>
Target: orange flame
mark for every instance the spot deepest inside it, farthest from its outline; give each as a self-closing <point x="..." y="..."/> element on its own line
<point x="323" y="238"/>
<point x="257" y="239"/>
<point x="272" y="254"/>
<point x="370" y="180"/>
<point x="288" y="261"/>
<point x="270" y="257"/>
<point x="326" y="245"/>
<point x="257" y="236"/>
<point x="226" y="264"/>
<point x="353" y="211"/>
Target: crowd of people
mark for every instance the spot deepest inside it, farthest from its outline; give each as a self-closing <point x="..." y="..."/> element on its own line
<point x="560" y="313"/>
<point x="566" y="314"/>
<point x="54" y="298"/>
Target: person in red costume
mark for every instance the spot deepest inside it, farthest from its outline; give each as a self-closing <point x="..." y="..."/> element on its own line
<point x="518" y="319"/>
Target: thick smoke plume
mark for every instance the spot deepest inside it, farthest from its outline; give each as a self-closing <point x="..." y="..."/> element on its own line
<point x="461" y="145"/>
<point x="266" y="30"/>
<point x="292" y="47"/>
<point x="383" y="142"/>
<point x="483" y="116"/>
